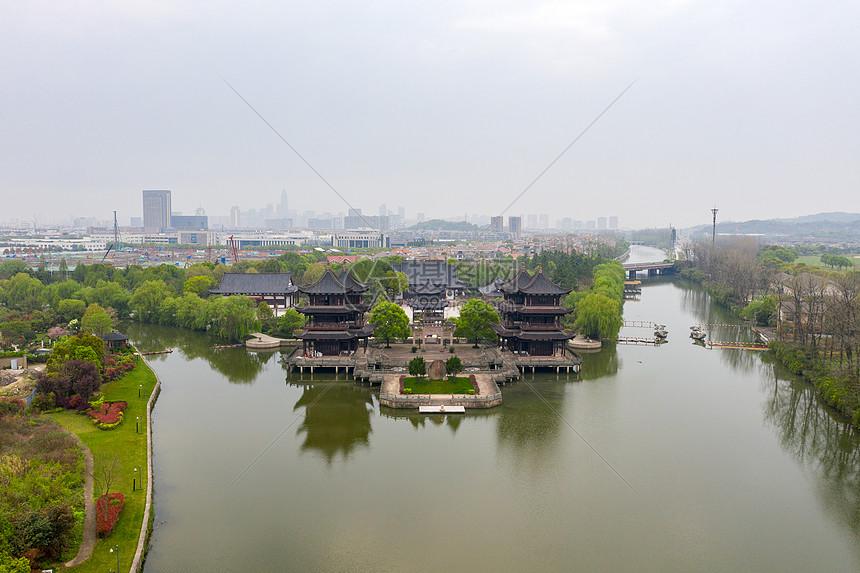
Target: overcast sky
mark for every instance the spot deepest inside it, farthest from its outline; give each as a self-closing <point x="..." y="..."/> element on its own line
<point x="445" y="107"/>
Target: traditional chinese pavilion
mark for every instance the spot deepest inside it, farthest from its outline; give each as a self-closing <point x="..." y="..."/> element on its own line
<point x="275" y="289"/>
<point x="530" y="315"/>
<point x="335" y="316"/>
<point x="428" y="302"/>
<point x="428" y="299"/>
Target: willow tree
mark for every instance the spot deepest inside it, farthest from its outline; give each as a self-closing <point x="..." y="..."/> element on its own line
<point x="598" y="316"/>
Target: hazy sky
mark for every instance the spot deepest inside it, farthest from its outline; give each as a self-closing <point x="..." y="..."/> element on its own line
<point x="445" y="107"/>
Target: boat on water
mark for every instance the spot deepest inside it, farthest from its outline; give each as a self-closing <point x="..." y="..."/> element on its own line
<point x="696" y="333"/>
<point x="661" y="333"/>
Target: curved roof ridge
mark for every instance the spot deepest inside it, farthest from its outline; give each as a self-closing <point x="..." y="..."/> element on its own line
<point x="328" y="283"/>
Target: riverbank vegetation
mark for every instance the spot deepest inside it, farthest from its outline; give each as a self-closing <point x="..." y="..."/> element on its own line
<point x="41" y="484"/>
<point x="814" y="313"/>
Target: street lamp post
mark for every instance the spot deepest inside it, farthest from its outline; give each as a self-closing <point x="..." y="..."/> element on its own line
<point x="115" y="549"/>
<point x="134" y="481"/>
<point x="140" y="390"/>
<point x="137" y="425"/>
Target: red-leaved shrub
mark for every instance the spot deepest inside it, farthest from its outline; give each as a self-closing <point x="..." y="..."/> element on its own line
<point x="107" y="512"/>
<point x="108" y="412"/>
<point x="474" y="382"/>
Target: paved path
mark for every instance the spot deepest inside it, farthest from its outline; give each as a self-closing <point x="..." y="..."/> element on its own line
<point x="486" y="387"/>
<point x="261" y="340"/>
<point x="88" y="542"/>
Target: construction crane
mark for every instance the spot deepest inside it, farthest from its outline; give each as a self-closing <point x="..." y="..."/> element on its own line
<point x="235" y="253"/>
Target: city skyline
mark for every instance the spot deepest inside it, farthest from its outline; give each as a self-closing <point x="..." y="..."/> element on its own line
<point x="452" y="112"/>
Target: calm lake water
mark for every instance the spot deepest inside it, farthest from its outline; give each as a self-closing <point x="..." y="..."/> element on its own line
<point x="669" y="458"/>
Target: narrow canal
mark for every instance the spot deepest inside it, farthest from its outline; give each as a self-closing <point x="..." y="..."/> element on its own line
<point x="669" y="458"/>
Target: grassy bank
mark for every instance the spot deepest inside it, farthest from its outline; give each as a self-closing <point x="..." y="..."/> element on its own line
<point x="129" y="445"/>
<point x="831" y="385"/>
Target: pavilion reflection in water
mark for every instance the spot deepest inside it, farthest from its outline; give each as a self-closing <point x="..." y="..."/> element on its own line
<point x="336" y="420"/>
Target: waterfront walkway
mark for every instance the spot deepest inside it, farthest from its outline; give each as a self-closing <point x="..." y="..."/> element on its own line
<point x="488" y="395"/>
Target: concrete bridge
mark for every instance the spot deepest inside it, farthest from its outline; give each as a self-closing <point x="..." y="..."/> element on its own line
<point x="655" y="268"/>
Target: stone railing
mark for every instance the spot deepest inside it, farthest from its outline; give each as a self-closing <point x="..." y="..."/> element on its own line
<point x="144" y="527"/>
<point x="465" y="400"/>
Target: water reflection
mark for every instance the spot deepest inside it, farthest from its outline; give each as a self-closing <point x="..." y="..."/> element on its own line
<point x="819" y="438"/>
<point x="697" y="302"/>
<point x="526" y="428"/>
<point x="336" y="420"/>
<point x="238" y="365"/>
<point x="451" y="421"/>
<point x="600" y="364"/>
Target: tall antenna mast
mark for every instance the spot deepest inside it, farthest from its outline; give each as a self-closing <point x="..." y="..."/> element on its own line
<point x="714" y="232"/>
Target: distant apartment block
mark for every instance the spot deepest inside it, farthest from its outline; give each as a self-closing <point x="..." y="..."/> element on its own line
<point x="613" y="222"/>
<point x="601" y="223"/>
<point x="544" y="221"/>
<point x="515" y="227"/>
<point x="496" y="224"/>
<point x="358" y="221"/>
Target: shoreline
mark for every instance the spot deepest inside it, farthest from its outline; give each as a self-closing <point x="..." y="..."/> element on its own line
<point x="145" y="529"/>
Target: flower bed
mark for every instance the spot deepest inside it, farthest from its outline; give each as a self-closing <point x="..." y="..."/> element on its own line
<point x="108" y="415"/>
<point x="107" y="511"/>
<point x="117" y="365"/>
<point x="474" y="382"/>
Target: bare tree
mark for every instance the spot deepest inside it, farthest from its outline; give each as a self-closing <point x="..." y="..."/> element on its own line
<point x="104" y="471"/>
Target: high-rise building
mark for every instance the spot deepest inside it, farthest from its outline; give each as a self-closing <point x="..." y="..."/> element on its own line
<point x="515" y="226"/>
<point x="544" y="221"/>
<point x="613" y="222"/>
<point x="420" y="217"/>
<point x="601" y="223"/>
<point x="234" y="216"/>
<point x="156" y="210"/>
<point x="496" y="224"/>
<point x="531" y="221"/>
<point x="383" y="210"/>
<point x="283" y="206"/>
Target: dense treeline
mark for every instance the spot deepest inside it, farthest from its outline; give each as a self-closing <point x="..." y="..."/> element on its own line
<point x="93" y="297"/>
<point x="815" y="312"/>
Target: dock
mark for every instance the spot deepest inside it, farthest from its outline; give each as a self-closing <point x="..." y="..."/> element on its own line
<point x="441" y="409"/>
<point x="738" y="345"/>
<point x="638" y="340"/>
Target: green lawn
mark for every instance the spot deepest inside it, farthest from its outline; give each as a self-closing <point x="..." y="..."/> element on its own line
<point x="462" y="385"/>
<point x="815" y="260"/>
<point x="130" y="448"/>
